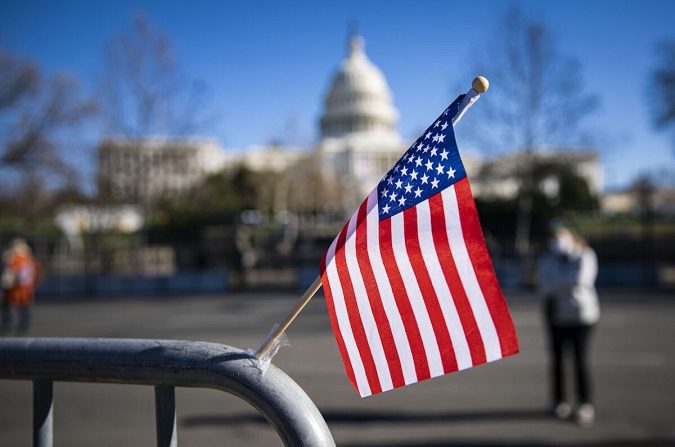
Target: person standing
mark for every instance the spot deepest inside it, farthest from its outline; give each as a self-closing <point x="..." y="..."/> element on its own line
<point x="566" y="280"/>
<point x="20" y="276"/>
<point x="7" y="281"/>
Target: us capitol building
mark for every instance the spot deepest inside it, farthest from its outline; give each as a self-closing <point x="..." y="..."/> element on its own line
<point x="358" y="143"/>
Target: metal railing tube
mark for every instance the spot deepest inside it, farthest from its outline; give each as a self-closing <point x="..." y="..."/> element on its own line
<point x="165" y="415"/>
<point x="173" y="363"/>
<point x="43" y="413"/>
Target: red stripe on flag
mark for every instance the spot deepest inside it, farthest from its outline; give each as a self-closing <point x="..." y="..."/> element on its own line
<point x="334" y="323"/>
<point x="412" y="245"/>
<point x="375" y="299"/>
<point x="403" y="302"/>
<point x="447" y="261"/>
<point x="354" y="317"/>
<point x="482" y="265"/>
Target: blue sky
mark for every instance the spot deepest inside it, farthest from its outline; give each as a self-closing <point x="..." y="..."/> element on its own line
<point x="268" y="64"/>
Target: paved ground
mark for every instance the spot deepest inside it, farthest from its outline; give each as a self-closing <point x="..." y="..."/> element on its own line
<point x="497" y="404"/>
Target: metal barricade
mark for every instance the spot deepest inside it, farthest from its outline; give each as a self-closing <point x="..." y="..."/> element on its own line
<point x="166" y="364"/>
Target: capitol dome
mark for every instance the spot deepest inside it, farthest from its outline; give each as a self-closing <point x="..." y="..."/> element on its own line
<point x="359" y="99"/>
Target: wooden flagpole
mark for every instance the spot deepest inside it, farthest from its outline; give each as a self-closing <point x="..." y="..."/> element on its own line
<point x="272" y="338"/>
<point x="478" y="86"/>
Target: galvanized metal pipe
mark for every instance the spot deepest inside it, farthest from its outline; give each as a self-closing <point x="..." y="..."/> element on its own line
<point x="172" y="363"/>
<point x="43" y="413"/>
<point x="165" y="415"/>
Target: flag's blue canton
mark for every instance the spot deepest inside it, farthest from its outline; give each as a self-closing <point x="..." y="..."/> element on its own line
<point x="429" y="166"/>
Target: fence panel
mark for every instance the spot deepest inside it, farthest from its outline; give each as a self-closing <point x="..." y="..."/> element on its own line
<point x="164" y="364"/>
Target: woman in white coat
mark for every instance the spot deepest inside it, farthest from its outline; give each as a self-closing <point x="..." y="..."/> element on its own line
<point x="567" y="285"/>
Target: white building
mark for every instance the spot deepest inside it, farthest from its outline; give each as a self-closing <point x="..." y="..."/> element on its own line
<point x="359" y="142"/>
<point x="74" y="220"/>
<point x="272" y="158"/>
<point x="149" y="169"/>
<point x="500" y="177"/>
<point x="659" y="199"/>
<point x="78" y="219"/>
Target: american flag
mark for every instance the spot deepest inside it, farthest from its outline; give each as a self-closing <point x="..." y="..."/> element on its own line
<point x="409" y="283"/>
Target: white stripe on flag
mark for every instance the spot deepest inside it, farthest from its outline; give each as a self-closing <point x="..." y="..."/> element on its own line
<point x="365" y="311"/>
<point x="415" y="295"/>
<point x="330" y="254"/>
<point x="433" y="265"/>
<point x="466" y="272"/>
<point x="387" y="295"/>
<point x="344" y="325"/>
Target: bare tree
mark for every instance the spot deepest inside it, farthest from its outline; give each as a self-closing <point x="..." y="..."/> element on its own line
<point x="33" y="146"/>
<point x="663" y="83"/>
<point x="18" y="79"/>
<point x="143" y="90"/>
<point x="537" y="100"/>
<point x="35" y="112"/>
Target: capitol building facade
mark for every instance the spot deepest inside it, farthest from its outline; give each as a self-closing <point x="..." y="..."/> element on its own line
<point x="358" y="143"/>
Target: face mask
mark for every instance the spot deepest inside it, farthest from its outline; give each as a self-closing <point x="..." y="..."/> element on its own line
<point x="562" y="244"/>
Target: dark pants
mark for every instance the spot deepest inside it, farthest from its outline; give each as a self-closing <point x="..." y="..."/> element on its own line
<point x="6" y="318"/>
<point x="562" y="340"/>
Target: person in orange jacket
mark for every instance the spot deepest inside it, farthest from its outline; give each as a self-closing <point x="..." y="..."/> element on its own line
<point x="20" y="276"/>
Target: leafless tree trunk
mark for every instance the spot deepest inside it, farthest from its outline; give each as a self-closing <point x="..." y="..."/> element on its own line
<point x="662" y="88"/>
<point x="145" y="94"/>
<point x="143" y="91"/>
<point x="34" y="115"/>
<point x="537" y="100"/>
<point x="18" y="79"/>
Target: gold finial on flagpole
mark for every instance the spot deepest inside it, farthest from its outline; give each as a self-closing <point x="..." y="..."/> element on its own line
<point x="480" y="84"/>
